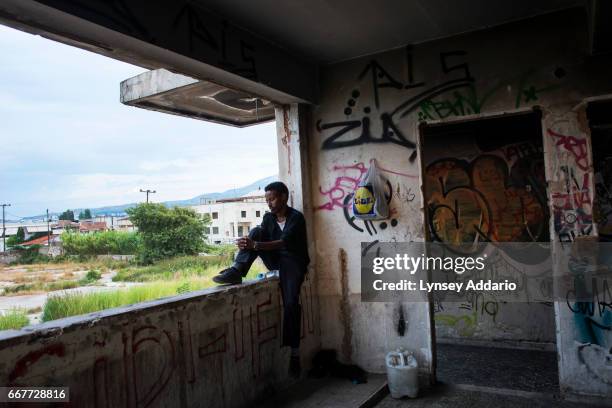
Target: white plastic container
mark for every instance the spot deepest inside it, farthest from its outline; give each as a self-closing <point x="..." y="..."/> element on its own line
<point x="402" y="374"/>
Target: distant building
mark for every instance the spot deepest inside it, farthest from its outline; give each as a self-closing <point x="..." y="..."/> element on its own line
<point x="124" y="224"/>
<point x="33" y="229"/>
<point x="114" y="222"/>
<point x="233" y="217"/>
<point x="87" y="227"/>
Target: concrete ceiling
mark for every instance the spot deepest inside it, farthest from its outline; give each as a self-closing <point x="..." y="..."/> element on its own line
<point x="328" y="31"/>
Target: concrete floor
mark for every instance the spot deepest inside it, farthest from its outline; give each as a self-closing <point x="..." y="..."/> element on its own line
<point x="326" y="392"/>
<point x="468" y="376"/>
<point x="526" y="370"/>
<point x="457" y="397"/>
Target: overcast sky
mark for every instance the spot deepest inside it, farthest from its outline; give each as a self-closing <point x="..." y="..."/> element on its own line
<point x="68" y="142"/>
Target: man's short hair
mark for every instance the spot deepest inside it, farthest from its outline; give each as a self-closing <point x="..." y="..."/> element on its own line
<point x="278" y="186"/>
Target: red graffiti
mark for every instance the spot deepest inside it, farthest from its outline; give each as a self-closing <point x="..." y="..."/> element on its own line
<point x="100" y="381"/>
<point x="577" y="147"/>
<point x="238" y="345"/>
<point x="265" y="334"/>
<point x="146" y="386"/>
<point x="184" y="331"/>
<point x="216" y="346"/>
<point x="22" y="366"/>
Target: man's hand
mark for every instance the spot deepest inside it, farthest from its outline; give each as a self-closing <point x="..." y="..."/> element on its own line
<point x="245" y="243"/>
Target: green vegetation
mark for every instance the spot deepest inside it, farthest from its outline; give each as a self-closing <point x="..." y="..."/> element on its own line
<point x="175" y="268"/>
<point x="166" y="278"/>
<point x="92" y="276"/>
<point x="36" y="287"/>
<point x="73" y="304"/>
<point x="67" y="215"/>
<point x="100" y="243"/>
<point x="14" y="319"/>
<point x="168" y="232"/>
<point x="16" y="239"/>
<point x="31" y="255"/>
<point x="85" y="215"/>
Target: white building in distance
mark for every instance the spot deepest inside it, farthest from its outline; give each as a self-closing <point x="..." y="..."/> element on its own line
<point x="233" y="217"/>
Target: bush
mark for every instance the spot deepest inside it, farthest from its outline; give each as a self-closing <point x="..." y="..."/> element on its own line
<point x="30" y="255"/>
<point x="168" y="232"/>
<point x="92" y="276"/>
<point x="100" y="243"/>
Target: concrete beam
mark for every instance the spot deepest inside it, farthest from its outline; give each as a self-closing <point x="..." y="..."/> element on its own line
<point x="600" y="29"/>
<point x="176" y="94"/>
<point x="178" y="35"/>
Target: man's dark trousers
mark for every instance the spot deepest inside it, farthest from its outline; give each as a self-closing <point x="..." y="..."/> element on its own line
<point x="291" y="275"/>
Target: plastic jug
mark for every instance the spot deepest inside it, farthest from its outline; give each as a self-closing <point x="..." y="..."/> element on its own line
<point x="402" y="374"/>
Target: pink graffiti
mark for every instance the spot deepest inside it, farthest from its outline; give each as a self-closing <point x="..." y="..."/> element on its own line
<point x="577" y="147"/>
<point x="347" y="182"/>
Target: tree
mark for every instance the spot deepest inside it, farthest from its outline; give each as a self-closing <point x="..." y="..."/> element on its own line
<point x="167" y="232"/>
<point x="16" y="239"/>
<point x="85" y="215"/>
<point x="67" y="215"/>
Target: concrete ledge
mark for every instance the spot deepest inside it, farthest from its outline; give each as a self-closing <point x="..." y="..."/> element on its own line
<point x="220" y="345"/>
<point x="59" y="326"/>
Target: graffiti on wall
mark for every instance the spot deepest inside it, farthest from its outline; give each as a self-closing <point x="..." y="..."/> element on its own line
<point x="370" y="120"/>
<point x="346" y="181"/>
<point x="154" y="358"/>
<point x="377" y="79"/>
<point x="593" y="323"/>
<point x="485" y="200"/>
<point x="571" y="198"/>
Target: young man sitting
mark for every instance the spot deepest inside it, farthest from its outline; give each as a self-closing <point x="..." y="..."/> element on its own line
<point x="282" y="245"/>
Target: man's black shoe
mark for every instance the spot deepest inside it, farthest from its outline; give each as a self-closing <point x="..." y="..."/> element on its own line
<point x="229" y="276"/>
<point x="295" y="369"/>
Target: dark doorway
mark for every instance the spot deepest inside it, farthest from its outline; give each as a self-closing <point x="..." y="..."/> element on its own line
<point x="600" y="123"/>
<point x="484" y="180"/>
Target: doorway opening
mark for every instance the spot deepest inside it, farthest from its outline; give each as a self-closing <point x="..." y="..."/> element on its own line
<point x="600" y="123"/>
<point x="484" y="181"/>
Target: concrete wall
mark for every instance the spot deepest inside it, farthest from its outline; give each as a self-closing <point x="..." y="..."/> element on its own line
<point x="371" y="108"/>
<point x="220" y="348"/>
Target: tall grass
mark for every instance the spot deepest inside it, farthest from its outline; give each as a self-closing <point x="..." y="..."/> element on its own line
<point x="14" y="319"/>
<point x="71" y="304"/>
<point x="185" y="274"/>
<point x="175" y="268"/>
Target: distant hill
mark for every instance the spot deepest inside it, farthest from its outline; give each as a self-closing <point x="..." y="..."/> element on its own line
<point x="119" y="210"/>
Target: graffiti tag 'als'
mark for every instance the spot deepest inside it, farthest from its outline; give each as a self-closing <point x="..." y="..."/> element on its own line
<point x="380" y="79"/>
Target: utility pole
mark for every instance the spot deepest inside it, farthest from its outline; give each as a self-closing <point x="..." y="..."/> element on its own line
<point x="148" y="192"/>
<point x="48" y="231"/>
<point x="4" y="228"/>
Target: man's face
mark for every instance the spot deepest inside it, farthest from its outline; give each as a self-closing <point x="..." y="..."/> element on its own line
<point x="276" y="201"/>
